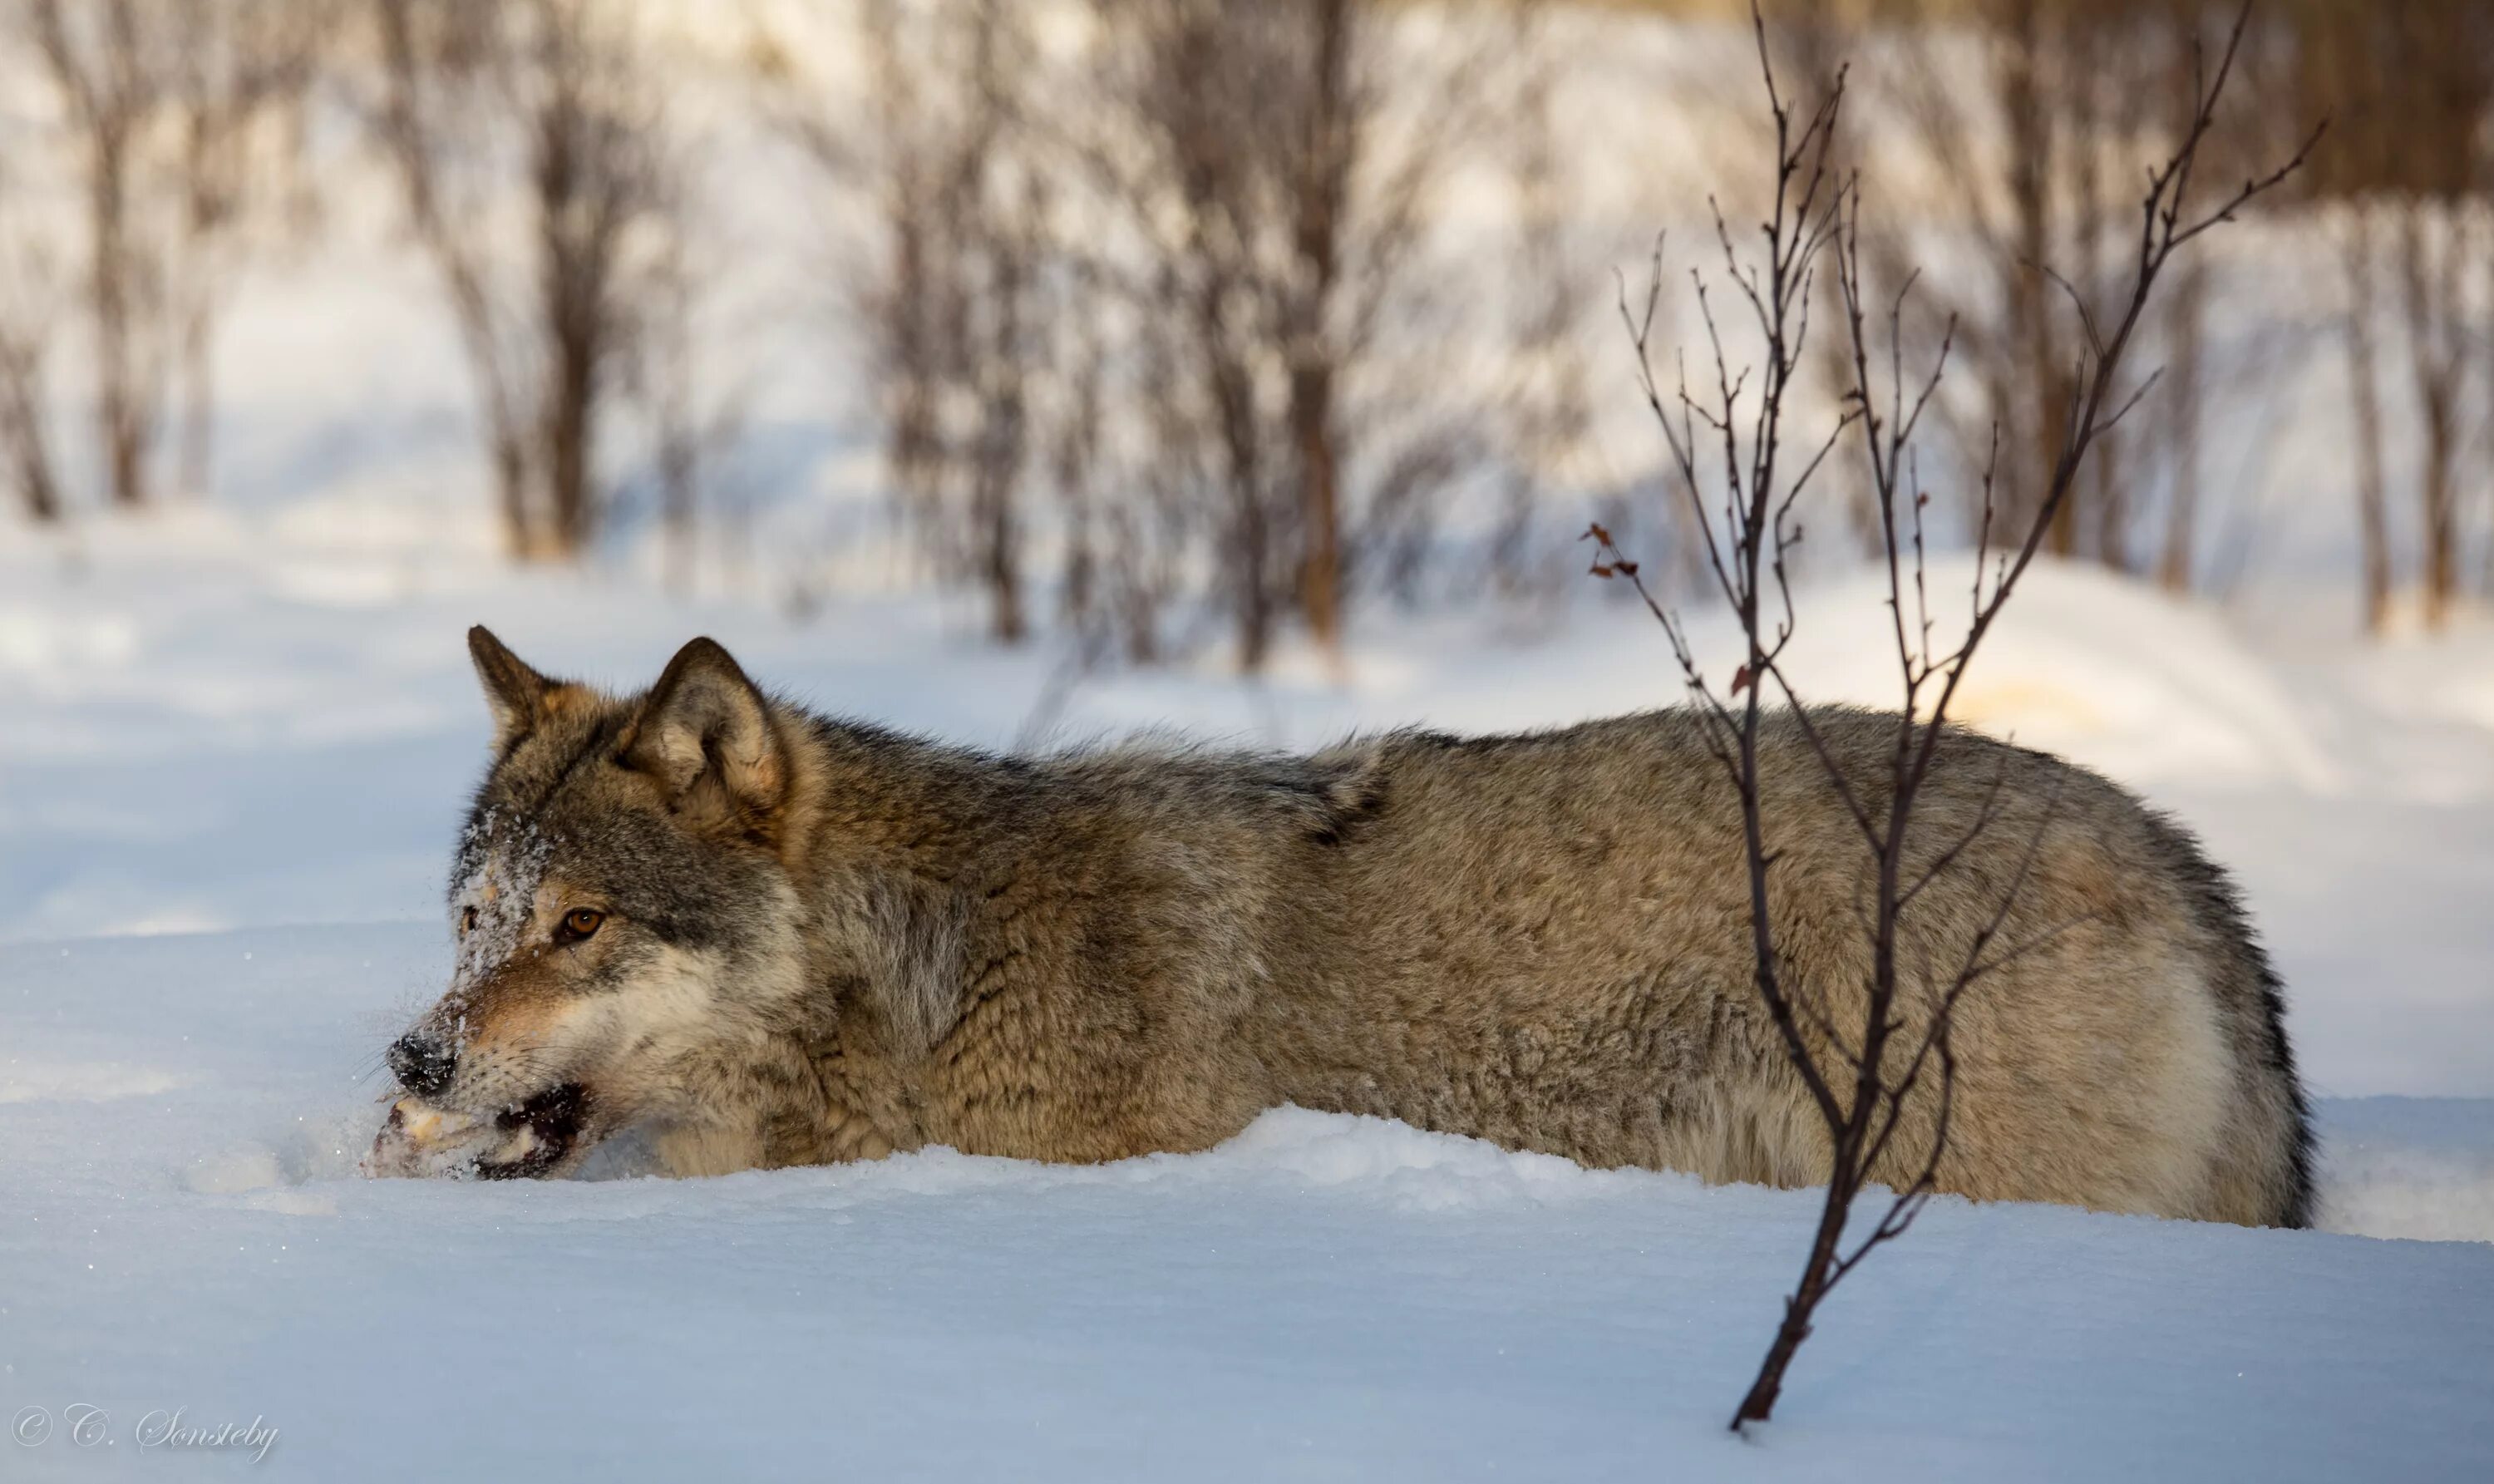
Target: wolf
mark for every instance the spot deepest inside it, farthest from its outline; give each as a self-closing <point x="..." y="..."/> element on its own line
<point x="769" y="937"/>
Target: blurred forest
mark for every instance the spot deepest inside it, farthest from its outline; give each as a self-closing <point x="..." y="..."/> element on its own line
<point x="1194" y="323"/>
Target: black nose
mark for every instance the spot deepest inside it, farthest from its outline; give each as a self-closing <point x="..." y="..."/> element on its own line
<point x="422" y="1063"/>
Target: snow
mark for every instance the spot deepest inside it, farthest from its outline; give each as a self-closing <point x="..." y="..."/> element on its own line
<point x="203" y="755"/>
<point x="1325" y="1297"/>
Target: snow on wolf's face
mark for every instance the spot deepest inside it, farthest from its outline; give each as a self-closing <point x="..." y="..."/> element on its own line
<point x="615" y="938"/>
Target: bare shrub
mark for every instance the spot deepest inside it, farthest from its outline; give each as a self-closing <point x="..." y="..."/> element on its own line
<point x="1866" y="1064"/>
<point x="180" y="118"/>
<point x="1288" y="182"/>
<point x="2021" y="119"/>
<point x="2405" y="181"/>
<point x="111" y="84"/>
<point x="692" y="426"/>
<point x="547" y="110"/>
<point x="25" y="337"/>
<point x="241" y="75"/>
<point x="1162" y="288"/>
<point x="28" y="324"/>
<point x="1544" y="405"/>
<point x="960" y="294"/>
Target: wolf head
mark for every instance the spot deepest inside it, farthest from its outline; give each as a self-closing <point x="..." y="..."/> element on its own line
<point x="623" y="866"/>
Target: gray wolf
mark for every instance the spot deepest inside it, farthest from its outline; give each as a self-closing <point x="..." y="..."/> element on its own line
<point x="773" y="938"/>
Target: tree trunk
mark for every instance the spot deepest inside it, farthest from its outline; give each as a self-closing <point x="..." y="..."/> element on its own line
<point x="2187" y="331"/>
<point x="198" y="402"/>
<point x="1233" y="397"/>
<point x="2427" y="274"/>
<point x="511" y="493"/>
<point x="2441" y="516"/>
<point x="2364" y="397"/>
<point x="119" y="403"/>
<point x="1323" y="181"/>
<point x="570" y="426"/>
<point x="1759" y="1403"/>
<point x="2040" y="426"/>
<point x="21" y="433"/>
<point x="1321" y="564"/>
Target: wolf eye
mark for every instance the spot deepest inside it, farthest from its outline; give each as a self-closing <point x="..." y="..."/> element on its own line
<point x="578" y="924"/>
<point x="467" y="921"/>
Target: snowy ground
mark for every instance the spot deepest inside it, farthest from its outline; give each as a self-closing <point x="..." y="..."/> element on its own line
<point x="1325" y="1298"/>
<point x="211" y="738"/>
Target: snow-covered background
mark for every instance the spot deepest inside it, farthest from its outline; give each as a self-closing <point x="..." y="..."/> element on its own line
<point x="234" y="741"/>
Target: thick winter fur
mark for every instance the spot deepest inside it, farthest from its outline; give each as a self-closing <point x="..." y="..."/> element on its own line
<point x="826" y="942"/>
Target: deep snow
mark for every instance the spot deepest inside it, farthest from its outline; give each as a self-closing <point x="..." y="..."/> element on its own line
<point x="1326" y="1297"/>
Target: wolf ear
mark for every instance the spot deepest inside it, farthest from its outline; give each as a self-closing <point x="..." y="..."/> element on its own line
<point x="515" y="693"/>
<point x="705" y="727"/>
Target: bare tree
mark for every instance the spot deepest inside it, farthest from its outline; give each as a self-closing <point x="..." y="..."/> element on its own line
<point x="1212" y="89"/>
<point x="239" y="73"/>
<point x="2420" y="156"/>
<point x="2432" y="252"/>
<point x="1164" y="289"/>
<point x="2024" y="114"/>
<point x="2358" y="271"/>
<point x="961" y="293"/>
<point x="550" y="102"/>
<point x="177" y="115"/>
<point x="693" y="427"/>
<point x="2405" y="181"/>
<point x="1160" y="287"/>
<point x="110" y="78"/>
<point x="2185" y="333"/>
<point x="27" y="321"/>
<point x="1884" y="1066"/>
<point x="1284" y="195"/>
<point x="1320" y="173"/>
<point x="1545" y="406"/>
<point x="26" y="345"/>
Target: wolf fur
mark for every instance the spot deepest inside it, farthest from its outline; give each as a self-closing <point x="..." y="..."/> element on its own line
<point x="825" y="942"/>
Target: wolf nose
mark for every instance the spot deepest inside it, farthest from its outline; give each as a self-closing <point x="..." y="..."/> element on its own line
<point x="422" y="1063"/>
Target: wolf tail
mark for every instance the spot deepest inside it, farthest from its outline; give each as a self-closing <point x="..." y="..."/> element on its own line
<point x="2264" y="1174"/>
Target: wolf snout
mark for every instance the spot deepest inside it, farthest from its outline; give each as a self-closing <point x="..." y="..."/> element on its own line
<point x="423" y="1063"/>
